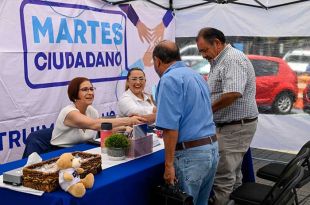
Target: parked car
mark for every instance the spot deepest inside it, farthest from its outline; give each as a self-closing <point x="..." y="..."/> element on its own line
<point x="276" y="84"/>
<point x="306" y="98"/>
<point x="190" y="55"/>
<point x="298" y="59"/>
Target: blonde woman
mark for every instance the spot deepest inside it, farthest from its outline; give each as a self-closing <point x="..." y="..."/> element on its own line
<point x="134" y="100"/>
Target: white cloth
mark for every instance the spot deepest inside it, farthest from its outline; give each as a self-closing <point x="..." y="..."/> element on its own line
<point x="130" y="104"/>
<point x="20" y="188"/>
<point x="286" y="133"/>
<point x="65" y="136"/>
<point x="66" y="184"/>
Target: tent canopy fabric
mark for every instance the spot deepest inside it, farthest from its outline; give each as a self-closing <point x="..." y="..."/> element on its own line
<point x="184" y="4"/>
<point x="265" y="18"/>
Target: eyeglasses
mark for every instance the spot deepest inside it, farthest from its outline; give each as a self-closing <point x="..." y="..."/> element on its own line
<point x="137" y="79"/>
<point x="86" y="89"/>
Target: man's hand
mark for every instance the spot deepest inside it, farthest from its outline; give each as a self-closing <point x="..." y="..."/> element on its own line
<point x="169" y="174"/>
<point x="170" y="140"/>
<point x="225" y="100"/>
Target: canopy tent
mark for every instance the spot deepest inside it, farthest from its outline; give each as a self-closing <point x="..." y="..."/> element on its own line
<point x="249" y="18"/>
<point x="184" y="4"/>
<point x="237" y="17"/>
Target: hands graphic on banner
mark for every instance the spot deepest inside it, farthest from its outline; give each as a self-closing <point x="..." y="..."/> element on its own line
<point x="147" y="57"/>
<point x="158" y="32"/>
<point x="144" y="32"/>
<point x="151" y="36"/>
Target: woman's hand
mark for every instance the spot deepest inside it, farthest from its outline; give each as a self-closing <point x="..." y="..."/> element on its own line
<point x="136" y="120"/>
<point x="128" y="129"/>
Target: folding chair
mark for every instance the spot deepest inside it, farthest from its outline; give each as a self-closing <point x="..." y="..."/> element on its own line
<point x="282" y="192"/>
<point x="273" y="171"/>
<point x="39" y="141"/>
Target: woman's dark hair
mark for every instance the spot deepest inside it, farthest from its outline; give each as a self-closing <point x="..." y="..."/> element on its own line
<point x="210" y="34"/>
<point x="74" y="87"/>
<point x="129" y="73"/>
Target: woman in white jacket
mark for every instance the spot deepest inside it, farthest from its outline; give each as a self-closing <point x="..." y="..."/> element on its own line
<point x="134" y="100"/>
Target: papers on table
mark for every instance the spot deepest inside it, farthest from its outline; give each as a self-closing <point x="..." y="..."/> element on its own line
<point x="156" y="140"/>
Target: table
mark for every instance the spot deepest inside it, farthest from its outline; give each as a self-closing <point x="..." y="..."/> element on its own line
<point x="127" y="183"/>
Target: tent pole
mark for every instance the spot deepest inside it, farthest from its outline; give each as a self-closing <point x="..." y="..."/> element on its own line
<point x="191" y="6"/>
<point x="156" y="4"/>
<point x="117" y="2"/>
<point x="250" y="5"/>
<point x="293" y="2"/>
<point x="261" y="4"/>
<point x="170" y="4"/>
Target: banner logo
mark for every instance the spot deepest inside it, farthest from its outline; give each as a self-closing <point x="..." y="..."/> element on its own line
<point x="62" y="41"/>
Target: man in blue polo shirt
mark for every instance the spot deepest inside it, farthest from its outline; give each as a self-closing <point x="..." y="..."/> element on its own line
<point x="184" y="114"/>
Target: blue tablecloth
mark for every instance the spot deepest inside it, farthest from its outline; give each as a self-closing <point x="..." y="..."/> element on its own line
<point x="125" y="184"/>
<point x="128" y="183"/>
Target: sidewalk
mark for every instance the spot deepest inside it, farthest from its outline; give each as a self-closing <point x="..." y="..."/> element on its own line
<point x="262" y="157"/>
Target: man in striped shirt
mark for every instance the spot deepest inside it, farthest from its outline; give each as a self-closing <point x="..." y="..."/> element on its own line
<point x="232" y="84"/>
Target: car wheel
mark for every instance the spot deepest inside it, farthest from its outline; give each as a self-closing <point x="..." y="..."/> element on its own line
<point x="283" y="103"/>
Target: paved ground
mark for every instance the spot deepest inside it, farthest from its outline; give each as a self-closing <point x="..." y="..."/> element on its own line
<point x="263" y="157"/>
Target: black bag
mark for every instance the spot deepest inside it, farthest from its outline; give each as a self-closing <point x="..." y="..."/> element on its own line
<point x="170" y="195"/>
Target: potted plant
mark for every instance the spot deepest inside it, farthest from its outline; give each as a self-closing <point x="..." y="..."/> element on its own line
<point x="116" y="146"/>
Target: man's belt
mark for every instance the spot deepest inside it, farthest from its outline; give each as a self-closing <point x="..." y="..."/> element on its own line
<point x="236" y="122"/>
<point x="195" y="143"/>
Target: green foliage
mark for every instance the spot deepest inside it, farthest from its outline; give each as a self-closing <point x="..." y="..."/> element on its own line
<point x="117" y="141"/>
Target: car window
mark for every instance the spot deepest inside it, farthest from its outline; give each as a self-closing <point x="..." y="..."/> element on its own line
<point x="293" y="58"/>
<point x="190" y="51"/>
<point x="305" y="59"/>
<point x="298" y="59"/>
<point x="265" y="67"/>
<point x="203" y="67"/>
<point x="191" y="56"/>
